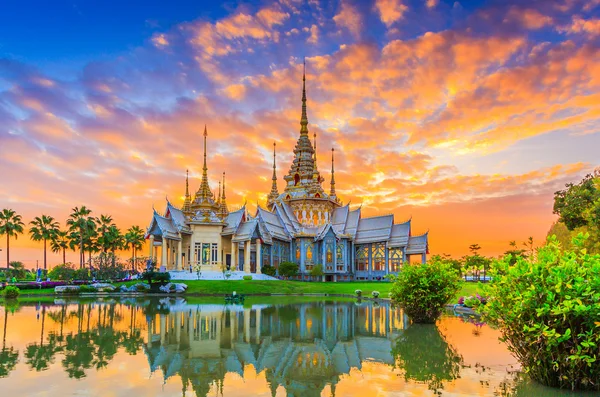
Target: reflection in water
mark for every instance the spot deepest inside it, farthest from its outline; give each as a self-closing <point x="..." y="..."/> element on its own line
<point x="425" y="356"/>
<point x="170" y="347"/>
<point x="302" y="347"/>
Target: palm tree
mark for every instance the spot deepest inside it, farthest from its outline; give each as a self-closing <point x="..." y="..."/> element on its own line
<point x="43" y="228"/>
<point x="116" y="241"/>
<point x="11" y="225"/>
<point x="134" y="238"/>
<point x="104" y="222"/>
<point x="60" y="242"/>
<point x="78" y="222"/>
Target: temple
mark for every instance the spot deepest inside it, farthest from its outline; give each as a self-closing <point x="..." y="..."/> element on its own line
<point x="303" y="224"/>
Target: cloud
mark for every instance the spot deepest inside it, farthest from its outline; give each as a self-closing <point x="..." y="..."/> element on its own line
<point x="590" y="26"/>
<point x="432" y="3"/>
<point x="390" y="11"/>
<point x="349" y="17"/>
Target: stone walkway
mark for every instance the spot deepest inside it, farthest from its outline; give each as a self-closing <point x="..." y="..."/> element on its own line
<point x="213" y="275"/>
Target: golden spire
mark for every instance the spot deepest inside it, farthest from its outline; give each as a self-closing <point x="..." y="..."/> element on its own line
<point x="304" y="118"/>
<point x="187" y="201"/>
<point x="332" y="192"/>
<point x="224" y="210"/>
<point x="274" y="192"/>
<point x="219" y="199"/>
<point x="204" y="191"/>
<point x="315" y="138"/>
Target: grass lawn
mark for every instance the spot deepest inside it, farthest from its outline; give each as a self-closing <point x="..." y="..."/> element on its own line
<point x="198" y="287"/>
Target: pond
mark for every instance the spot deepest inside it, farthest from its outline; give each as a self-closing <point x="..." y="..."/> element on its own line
<point x="266" y="347"/>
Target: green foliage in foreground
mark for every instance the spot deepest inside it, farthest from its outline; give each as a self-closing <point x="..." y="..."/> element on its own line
<point x="11" y="292"/>
<point x="423" y="290"/>
<point x="548" y="311"/>
<point x="288" y="269"/>
<point x="424" y="356"/>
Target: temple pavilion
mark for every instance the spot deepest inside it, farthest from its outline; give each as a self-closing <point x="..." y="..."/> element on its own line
<point x="303" y="224"/>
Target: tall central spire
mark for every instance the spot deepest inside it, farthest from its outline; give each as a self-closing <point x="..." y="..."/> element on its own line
<point x="304" y="119"/>
<point x="204" y="190"/>
<point x="332" y="192"/>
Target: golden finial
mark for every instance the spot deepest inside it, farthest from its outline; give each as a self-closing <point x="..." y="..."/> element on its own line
<point x="304" y="118"/>
<point x="332" y="193"/>
<point x="274" y="191"/>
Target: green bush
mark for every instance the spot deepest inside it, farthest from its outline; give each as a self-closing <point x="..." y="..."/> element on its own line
<point x="82" y="274"/>
<point x="161" y="277"/>
<point x="87" y="289"/>
<point x="288" y="269"/>
<point x="62" y="272"/>
<point x="11" y="292"/>
<point x="268" y="270"/>
<point x="317" y="271"/>
<point x="423" y="290"/>
<point x="548" y="310"/>
<point x="247" y="277"/>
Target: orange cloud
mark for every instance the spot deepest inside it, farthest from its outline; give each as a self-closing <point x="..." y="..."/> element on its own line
<point x="390" y="11"/>
<point x="348" y="17"/>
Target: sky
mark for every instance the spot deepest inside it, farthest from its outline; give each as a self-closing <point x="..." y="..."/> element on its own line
<point x="464" y="115"/>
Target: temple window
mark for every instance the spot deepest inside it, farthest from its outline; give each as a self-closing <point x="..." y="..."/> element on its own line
<point x="265" y="255"/>
<point x="329" y="255"/>
<point x="362" y="257"/>
<point x="296" y="179"/>
<point x="309" y="256"/>
<point x="378" y="255"/>
<point x="298" y="252"/>
<point x="339" y="252"/>
<point x="317" y="195"/>
<point x="395" y="256"/>
<point x="214" y="253"/>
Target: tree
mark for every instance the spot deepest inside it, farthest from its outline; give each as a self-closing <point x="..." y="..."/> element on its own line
<point x="43" y="228"/>
<point x="134" y="238"/>
<point x="116" y="240"/>
<point x="11" y="225"/>
<point x="578" y="207"/>
<point x="78" y="222"/>
<point x="514" y="252"/>
<point x="60" y="242"/>
<point x="573" y="204"/>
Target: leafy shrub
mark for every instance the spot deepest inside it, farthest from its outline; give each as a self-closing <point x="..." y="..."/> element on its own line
<point x="268" y="270"/>
<point x="423" y="290"/>
<point x="247" y="277"/>
<point x="390" y="277"/>
<point x="472" y="301"/>
<point x="87" y="289"/>
<point x="317" y="271"/>
<point x="548" y="310"/>
<point x="62" y="272"/>
<point x="11" y="292"/>
<point x="375" y="294"/>
<point x="82" y="274"/>
<point x="288" y="269"/>
<point x="162" y="277"/>
<point x="358" y="292"/>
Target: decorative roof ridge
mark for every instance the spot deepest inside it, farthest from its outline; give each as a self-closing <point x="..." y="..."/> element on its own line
<point x="402" y="223"/>
<point x="419" y="235"/>
<point x="379" y="216"/>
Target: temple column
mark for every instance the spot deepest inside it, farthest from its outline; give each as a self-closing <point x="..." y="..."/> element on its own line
<point x="151" y="248"/>
<point x="163" y="260"/>
<point x="247" y="256"/>
<point x="258" y="326"/>
<point x="178" y="262"/>
<point x="178" y="327"/>
<point x="163" y="329"/>
<point x="234" y="256"/>
<point x="247" y="325"/>
<point x="258" y="256"/>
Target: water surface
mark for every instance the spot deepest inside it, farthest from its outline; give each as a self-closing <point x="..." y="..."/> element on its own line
<point x="268" y="347"/>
